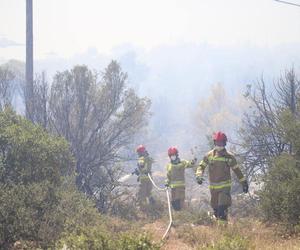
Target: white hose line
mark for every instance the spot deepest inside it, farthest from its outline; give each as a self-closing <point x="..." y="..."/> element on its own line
<point x="169" y="205"/>
<point x="157" y="187"/>
<point x="170" y="215"/>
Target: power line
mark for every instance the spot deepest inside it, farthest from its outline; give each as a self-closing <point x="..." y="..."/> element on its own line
<point x="285" y="2"/>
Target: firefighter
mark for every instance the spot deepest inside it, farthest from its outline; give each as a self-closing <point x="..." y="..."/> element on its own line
<point x="176" y="179"/>
<point x="219" y="163"/>
<point x="144" y="165"/>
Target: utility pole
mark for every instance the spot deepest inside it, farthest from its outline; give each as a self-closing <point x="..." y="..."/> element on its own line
<point x="29" y="102"/>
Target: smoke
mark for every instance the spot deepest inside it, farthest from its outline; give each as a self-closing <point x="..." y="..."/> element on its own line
<point x="5" y="43"/>
<point x="178" y="80"/>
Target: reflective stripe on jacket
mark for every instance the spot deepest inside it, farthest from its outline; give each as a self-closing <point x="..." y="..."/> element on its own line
<point x="219" y="165"/>
<point x="175" y="173"/>
<point x="144" y="167"/>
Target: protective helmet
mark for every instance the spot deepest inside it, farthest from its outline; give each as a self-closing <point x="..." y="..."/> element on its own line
<point x="141" y="149"/>
<point x="220" y="136"/>
<point x="172" y="151"/>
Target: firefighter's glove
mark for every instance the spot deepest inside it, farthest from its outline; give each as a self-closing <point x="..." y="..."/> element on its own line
<point x="199" y="180"/>
<point x="245" y="187"/>
<point x="136" y="172"/>
<point x="193" y="162"/>
<point x="167" y="184"/>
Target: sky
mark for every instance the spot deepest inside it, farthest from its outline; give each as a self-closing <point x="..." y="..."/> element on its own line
<point x="65" y="28"/>
<point x="172" y="50"/>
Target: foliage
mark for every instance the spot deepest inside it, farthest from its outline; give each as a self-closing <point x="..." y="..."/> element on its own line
<point x="231" y="242"/>
<point x="280" y="198"/>
<point x="86" y="228"/>
<point x="40" y="95"/>
<point x="219" y="111"/>
<point x="262" y="136"/>
<point x="30" y="155"/>
<point x="194" y="216"/>
<point x="271" y="139"/>
<point x="96" y="238"/>
<point x="86" y="238"/>
<point x="7" y="86"/>
<point x="99" y="117"/>
<point x="216" y="236"/>
<point x="32" y="167"/>
<point x="136" y="241"/>
<point x="27" y="213"/>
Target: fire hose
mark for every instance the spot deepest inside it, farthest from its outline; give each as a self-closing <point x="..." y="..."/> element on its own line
<point x="169" y="205"/>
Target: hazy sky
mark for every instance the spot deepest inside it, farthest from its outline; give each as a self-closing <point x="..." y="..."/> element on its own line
<point x="173" y="50"/>
<point x="68" y="27"/>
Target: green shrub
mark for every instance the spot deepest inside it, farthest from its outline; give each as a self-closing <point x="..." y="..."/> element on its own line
<point x="231" y="242"/>
<point x="39" y="202"/>
<point x="33" y="165"/>
<point x="86" y="238"/>
<point x="280" y="199"/>
<point x="27" y="213"/>
<point x="76" y="209"/>
<point x="94" y="238"/>
<point x="86" y="228"/>
<point x="134" y="241"/>
<point x="29" y="154"/>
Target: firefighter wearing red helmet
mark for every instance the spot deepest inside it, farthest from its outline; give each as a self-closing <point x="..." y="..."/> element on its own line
<point x="144" y="166"/>
<point x="220" y="162"/>
<point x="176" y="177"/>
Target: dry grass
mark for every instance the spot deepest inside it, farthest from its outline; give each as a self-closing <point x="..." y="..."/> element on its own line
<point x="238" y="235"/>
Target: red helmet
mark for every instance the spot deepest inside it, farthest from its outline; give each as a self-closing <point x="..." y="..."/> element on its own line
<point x="141" y="149"/>
<point x="219" y="136"/>
<point x="172" y="151"/>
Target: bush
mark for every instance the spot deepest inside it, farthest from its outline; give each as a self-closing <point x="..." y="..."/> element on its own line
<point x="97" y="238"/>
<point x="135" y="241"/>
<point x="32" y="168"/>
<point x="85" y="238"/>
<point x="40" y="205"/>
<point x="86" y="228"/>
<point x="29" y="154"/>
<point x="280" y="200"/>
<point x="27" y="213"/>
<point x="231" y="242"/>
<point x="194" y="216"/>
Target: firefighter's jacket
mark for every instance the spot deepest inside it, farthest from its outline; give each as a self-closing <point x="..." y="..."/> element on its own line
<point x="219" y="165"/>
<point x="144" y="167"/>
<point x="175" y="173"/>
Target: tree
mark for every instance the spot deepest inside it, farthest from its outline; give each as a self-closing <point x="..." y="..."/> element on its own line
<point x="261" y="136"/>
<point x="219" y="111"/>
<point x="99" y="117"/>
<point x="7" y="87"/>
<point x="41" y="99"/>
<point x="279" y="196"/>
